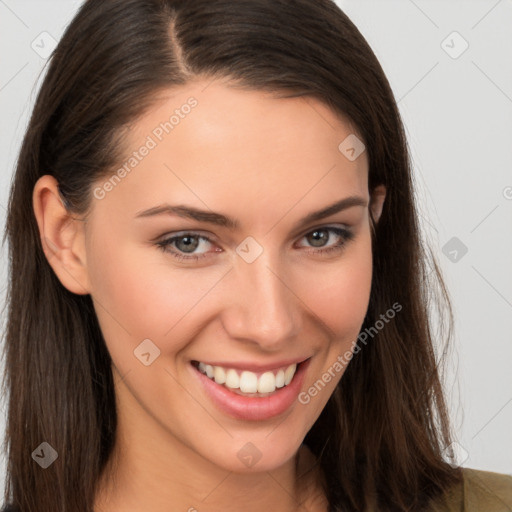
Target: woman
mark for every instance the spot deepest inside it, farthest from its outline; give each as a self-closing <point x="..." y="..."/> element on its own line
<point x="218" y="293"/>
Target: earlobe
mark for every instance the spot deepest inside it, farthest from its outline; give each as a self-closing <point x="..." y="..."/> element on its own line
<point x="377" y="201"/>
<point x="62" y="236"/>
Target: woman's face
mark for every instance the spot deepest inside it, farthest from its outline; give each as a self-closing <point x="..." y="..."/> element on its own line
<point x="243" y="283"/>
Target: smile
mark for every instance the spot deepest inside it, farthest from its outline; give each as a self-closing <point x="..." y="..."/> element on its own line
<point x="247" y="381"/>
<point x="282" y="386"/>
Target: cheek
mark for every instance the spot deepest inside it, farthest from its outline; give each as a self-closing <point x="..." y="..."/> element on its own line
<point x="139" y="294"/>
<point x="341" y="291"/>
<point x="340" y="301"/>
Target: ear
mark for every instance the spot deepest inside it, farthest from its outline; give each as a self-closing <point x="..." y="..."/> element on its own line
<point x="62" y="236"/>
<point x="377" y="201"/>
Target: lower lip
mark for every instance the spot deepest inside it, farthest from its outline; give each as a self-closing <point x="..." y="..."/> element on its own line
<point x="253" y="408"/>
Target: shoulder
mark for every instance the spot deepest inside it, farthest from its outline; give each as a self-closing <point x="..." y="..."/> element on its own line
<point x="479" y="491"/>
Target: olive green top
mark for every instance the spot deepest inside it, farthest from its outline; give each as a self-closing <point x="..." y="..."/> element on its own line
<point x="480" y="491"/>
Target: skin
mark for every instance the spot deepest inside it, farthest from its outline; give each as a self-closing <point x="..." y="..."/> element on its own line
<point x="266" y="162"/>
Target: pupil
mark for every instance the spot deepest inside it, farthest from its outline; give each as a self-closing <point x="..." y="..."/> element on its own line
<point x="318" y="236"/>
<point x="188" y="245"/>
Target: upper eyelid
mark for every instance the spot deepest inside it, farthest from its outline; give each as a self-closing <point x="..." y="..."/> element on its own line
<point x="198" y="232"/>
<point x="208" y="237"/>
<point x="340" y="225"/>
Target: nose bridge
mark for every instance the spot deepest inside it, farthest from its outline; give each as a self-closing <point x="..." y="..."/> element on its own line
<point x="264" y="309"/>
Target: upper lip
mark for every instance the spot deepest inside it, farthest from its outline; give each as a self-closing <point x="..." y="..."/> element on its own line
<point x="252" y="367"/>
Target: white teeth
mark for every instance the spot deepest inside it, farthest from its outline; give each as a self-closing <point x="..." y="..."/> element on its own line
<point x="219" y="375"/>
<point x="267" y="383"/>
<point x="288" y="374"/>
<point x="232" y="379"/>
<point x="280" y="379"/>
<point x="249" y="382"/>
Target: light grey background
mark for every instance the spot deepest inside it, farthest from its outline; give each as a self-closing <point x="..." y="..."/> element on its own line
<point x="457" y="109"/>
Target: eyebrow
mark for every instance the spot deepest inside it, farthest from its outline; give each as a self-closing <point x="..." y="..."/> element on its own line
<point x="189" y="212"/>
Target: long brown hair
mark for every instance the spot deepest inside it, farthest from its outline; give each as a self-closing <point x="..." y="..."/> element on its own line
<point x="381" y="436"/>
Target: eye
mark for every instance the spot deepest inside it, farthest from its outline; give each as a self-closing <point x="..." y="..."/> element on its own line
<point x="320" y="237"/>
<point x="183" y="246"/>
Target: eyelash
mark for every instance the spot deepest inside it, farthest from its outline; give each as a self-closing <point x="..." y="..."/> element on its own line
<point x="345" y="234"/>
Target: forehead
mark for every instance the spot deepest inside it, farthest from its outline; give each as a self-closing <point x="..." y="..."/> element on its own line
<point x="209" y="142"/>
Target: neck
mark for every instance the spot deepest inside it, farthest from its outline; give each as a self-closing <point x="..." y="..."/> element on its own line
<point x="137" y="479"/>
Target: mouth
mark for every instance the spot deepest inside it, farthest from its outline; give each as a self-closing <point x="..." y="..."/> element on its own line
<point x="251" y="395"/>
<point x="249" y="383"/>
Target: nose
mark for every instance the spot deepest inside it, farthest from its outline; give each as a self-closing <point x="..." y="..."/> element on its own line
<point x="263" y="308"/>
